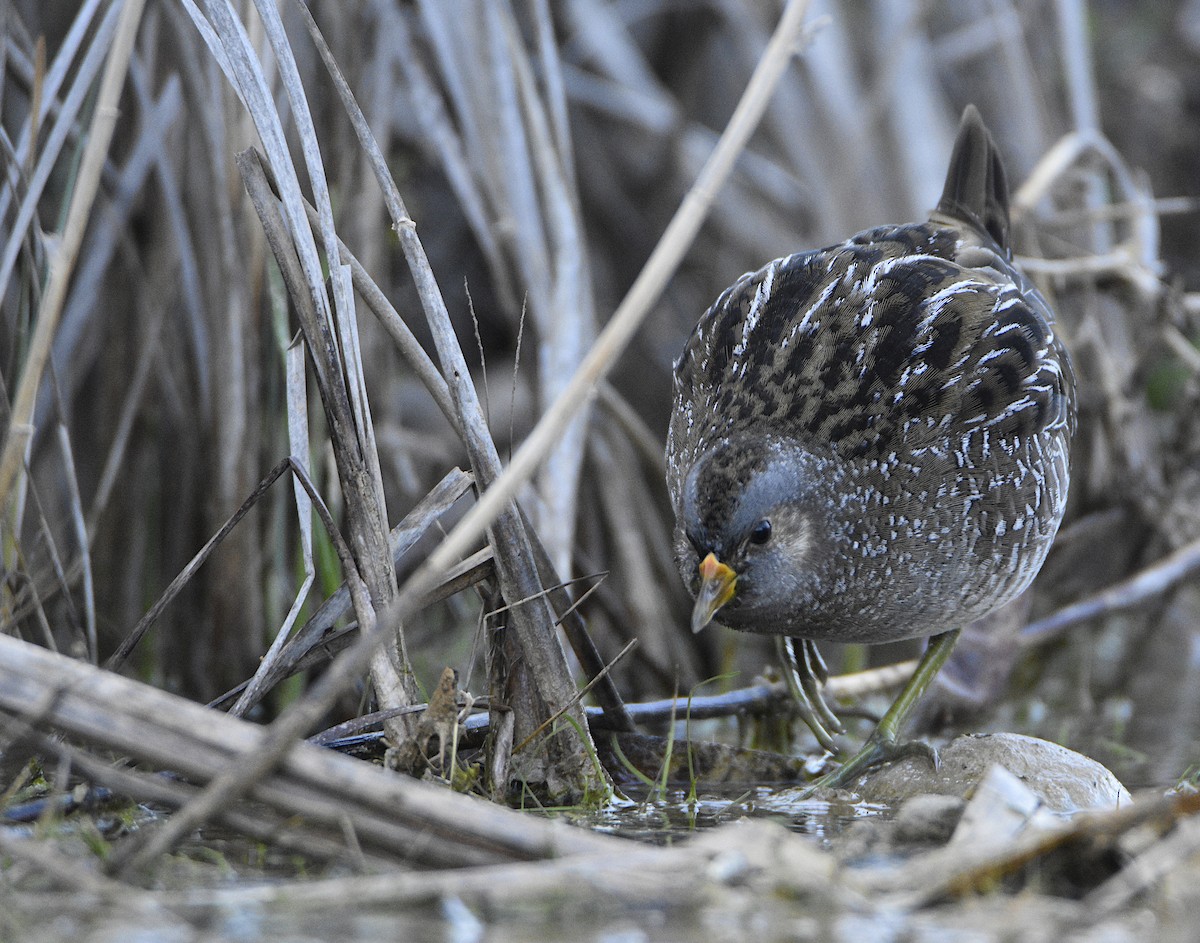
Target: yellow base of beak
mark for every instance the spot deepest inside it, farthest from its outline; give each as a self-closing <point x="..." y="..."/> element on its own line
<point x="717" y="585"/>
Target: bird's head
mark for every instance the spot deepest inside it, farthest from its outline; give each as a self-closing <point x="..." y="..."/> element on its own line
<point x="752" y="534"/>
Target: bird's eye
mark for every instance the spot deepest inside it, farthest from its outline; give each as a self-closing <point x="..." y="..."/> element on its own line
<point x="761" y="532"/>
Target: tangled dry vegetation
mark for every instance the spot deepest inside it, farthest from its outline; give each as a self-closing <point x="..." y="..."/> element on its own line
<point x="332" y="254"/>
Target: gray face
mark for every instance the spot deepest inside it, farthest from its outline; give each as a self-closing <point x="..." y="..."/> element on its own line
<point x="756" y="508"/>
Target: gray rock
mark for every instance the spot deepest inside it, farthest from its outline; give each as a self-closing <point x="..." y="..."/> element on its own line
<point x="1064" y="781"/>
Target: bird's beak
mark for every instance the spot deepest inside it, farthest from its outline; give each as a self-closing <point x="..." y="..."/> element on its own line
<point x="717" y="584"/>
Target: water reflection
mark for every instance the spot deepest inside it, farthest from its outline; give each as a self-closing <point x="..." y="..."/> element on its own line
<point x="662" y="818"/>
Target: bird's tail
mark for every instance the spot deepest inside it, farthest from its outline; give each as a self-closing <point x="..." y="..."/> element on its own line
<point x="976" y="189"/>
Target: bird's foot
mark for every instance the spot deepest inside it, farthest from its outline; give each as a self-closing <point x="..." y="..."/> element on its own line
<point x="884" y="745"/>
<point x="879" y="749"/>
<point x="805" y="673"/>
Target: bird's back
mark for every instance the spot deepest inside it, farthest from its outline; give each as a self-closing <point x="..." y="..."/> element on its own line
<point x="909" y="336"/>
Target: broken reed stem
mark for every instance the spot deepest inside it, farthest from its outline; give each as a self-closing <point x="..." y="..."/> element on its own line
<point x="314" y="633"/>
<point x="394" y="683"/>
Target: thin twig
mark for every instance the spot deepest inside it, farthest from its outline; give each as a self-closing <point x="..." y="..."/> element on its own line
<point x="117" y="658"/>
<point x="549" y="721"/>
<point x="80" y="528"/>
<point x="1150" y="582"/>
<point x="298" y="443"/>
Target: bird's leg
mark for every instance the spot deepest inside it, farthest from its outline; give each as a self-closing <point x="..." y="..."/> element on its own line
<point x="815" y="677"/>
<point x="806" y="673"/>
<point x="884" y="744"/>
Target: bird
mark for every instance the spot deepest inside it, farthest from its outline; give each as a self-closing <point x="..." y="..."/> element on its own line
<point x="870" y="442"/>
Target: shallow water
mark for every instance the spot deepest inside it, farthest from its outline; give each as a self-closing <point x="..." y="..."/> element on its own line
<point x="675" y="815"/>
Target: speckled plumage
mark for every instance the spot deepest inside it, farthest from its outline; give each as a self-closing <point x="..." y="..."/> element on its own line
<point x="899" y="409"/>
